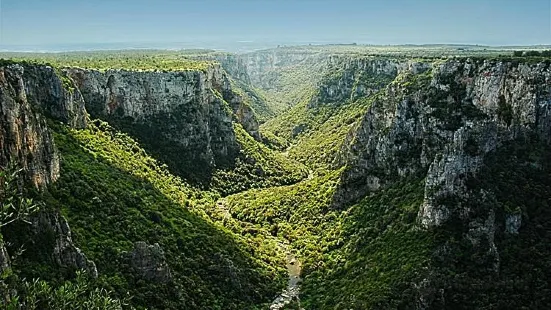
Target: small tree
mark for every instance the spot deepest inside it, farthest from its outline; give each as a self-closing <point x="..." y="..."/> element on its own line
<point x="13" y="205"/>
<point x="72" y="295"/>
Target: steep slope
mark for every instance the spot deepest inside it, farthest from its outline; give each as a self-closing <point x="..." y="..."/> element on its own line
<point x="184" y="110"/>
<point x="191" y="120"/>
<point x="316" y="127"/>
<point x="442" y="127"/>
<point x="381" y="182"/>
<point x="108" y="177"/>
<point x="30" y="162"/>
<point x="435" y="222"/>
<point x="153" y="237"/>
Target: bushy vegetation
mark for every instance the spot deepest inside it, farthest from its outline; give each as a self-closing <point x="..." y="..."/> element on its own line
<point x="380" y="258"/>
<point x="18" y="293"/>
<point x="366" y="256"/>
<point x="256" y="166"/>
<point x="247" y="163"/>
<point x="14" y="206"/>
<point x="111" y="60"/>
<point x="316" y="127"/>
<point x="300" y="214"/>
<point x="290" y="85"/>
<point x="253" y="97"/>
<point x="321" y="146"/>
<point x="114" y="194"/>
<point x="517" y="182"/>
<point x="78" y="295"/>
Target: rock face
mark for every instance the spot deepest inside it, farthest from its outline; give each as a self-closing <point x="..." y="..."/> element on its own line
<point x="262" y="67"/>
<point x="25" y="91"/>
<point x="63" y="251"/>
<point x="514" y="101"/>
<point x="234" y="65"/>
<point x="351" y="78"/>
<point x="440" y="126"/>
<point x="192" y="111"/>
<point x="445" y="122"/>
<point x="56" y="95"/>
<point x="148" y="261"/>
<point x="24" y="136"/>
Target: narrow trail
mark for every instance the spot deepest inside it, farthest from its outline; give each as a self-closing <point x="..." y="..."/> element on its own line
<point x="292" y="291"/>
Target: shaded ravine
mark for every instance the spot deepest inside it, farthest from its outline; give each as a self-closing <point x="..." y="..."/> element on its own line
<point x="292" y="291"/>
<point x="294" y="267"/>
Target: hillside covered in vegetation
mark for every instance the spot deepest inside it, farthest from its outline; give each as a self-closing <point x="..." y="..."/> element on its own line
<point x="411" y="177"/>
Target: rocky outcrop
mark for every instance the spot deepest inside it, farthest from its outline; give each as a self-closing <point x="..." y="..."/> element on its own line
<point x="53" y="228"/>
<point x="513" y="222"/>
<point x="149" y="262"/>
<point x="27" y="93"/>
<point x="515" y="102"/>
<point x="192" y="111"/>
<point x="441" y="125"/>
<point x="445" y="122"/>
<point x="56" y="95"/>
<point x="24" y="136"/>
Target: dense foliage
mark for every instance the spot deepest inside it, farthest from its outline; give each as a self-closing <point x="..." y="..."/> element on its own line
<point x="517" y="182"/>
<point x="225" y="237"/>
<point x="128" y="60"/>
<point x="381" y="256"/>
<point x="16" y="293"/>
<point x="72" y="295"/>
<point x="14" y="206"/>
<point x="256" y="166"/>
<point x="107" y="177"/>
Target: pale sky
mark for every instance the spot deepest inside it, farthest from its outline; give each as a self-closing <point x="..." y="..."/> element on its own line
<point x="487" y="22"/>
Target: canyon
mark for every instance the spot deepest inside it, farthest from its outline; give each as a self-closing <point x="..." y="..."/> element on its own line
<point x="393" y="181"/>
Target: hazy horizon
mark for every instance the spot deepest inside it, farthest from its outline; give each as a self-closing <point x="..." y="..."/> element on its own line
<point x="245" y="24"/>
<point x="237" y="46"/>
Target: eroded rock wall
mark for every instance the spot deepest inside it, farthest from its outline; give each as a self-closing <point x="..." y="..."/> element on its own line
<point x="192" y="111"/>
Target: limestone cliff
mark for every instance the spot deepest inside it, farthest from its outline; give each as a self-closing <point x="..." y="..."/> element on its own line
<point x="28" y="93"/>
<point x="264" y="67"/>
<point x="445" y="120"/>
<point x="350" y="78"/>
<point x="441" y="125"/>
<point x="190" y="112"/>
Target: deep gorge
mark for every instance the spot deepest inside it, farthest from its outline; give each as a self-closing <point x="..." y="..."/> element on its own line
<point x="396" y="182"/>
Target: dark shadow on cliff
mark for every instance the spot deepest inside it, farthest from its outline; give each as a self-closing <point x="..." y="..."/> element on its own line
<point x="515" y="185"/>
<point x="192" y="162"/>
<point x="245" y="163"/>
<point x="109" y="210"/>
